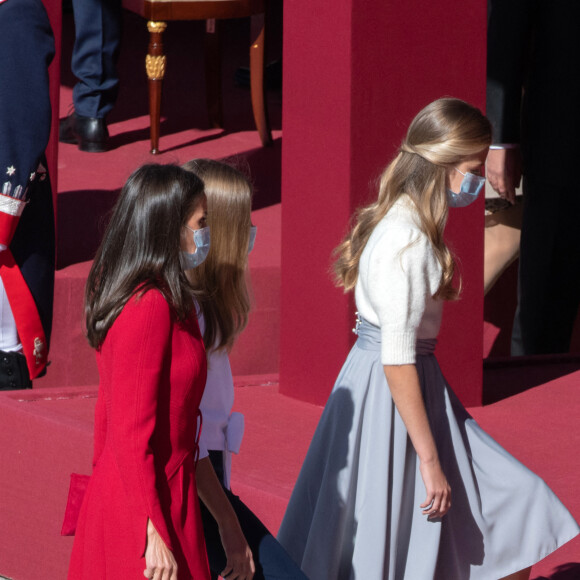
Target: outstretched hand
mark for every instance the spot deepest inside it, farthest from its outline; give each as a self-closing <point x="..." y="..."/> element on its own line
<point x="438" y="500"/>
<point x="159" y="559"/>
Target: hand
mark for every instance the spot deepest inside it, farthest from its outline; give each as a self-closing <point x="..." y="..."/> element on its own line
<point x="239" y="559"/>
<point x="504" y="171"/>
<point x="161" y="564"/>
<point x="438" y="500"/>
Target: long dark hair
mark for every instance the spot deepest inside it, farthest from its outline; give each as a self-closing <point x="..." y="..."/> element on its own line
<point x="141" y="246"/>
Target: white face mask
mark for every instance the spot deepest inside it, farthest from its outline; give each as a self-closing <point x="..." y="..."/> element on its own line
<point x="201" y="240"/>
<point x="253" y="231"/>
<point x="471" y="185"/>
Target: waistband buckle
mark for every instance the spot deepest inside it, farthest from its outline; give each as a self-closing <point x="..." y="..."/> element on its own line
<point x="357" y="323"/>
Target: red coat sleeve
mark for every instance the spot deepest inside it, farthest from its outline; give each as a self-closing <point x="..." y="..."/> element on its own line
<point x="100" y="429"/>
<point x="140" y="347"/>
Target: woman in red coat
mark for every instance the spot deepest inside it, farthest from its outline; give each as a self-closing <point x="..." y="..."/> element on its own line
<point x="140" y="515"/>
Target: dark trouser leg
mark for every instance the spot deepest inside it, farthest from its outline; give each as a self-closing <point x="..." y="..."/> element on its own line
<point x="13" y="372"/>
<point x="550" y="245"/>
<point x="271" y="560"/>
<point x="95" y="54"/>
<point x="549" y="273"/>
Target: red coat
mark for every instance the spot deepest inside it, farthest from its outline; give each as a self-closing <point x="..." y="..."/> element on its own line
<point x="152" y="375"/>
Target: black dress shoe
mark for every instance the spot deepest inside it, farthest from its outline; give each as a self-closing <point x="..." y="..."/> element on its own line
<point x="89" y="133"/>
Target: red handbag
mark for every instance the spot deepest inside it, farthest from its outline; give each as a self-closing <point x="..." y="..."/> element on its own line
<point x="76" y="494"/>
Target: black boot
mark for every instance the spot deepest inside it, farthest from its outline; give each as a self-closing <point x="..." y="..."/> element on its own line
<point x="89" y="133"/>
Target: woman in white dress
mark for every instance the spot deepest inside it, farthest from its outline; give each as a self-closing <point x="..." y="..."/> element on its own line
<point x="399" y="482"/>
<point x="223" y="314"/>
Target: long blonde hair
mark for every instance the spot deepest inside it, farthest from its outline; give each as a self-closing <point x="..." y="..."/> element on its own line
<point x="221" y="278"/>
<point x="442" y="135"/>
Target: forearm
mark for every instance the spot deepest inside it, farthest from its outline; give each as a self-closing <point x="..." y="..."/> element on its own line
<point x="240" y="563"/>
<point x="405" y="389"/>
<point x="406" y="392"/>
<point x="211" y="493"/>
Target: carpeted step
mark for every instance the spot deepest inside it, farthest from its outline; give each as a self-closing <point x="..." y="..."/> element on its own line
<point x="72" y="361"/>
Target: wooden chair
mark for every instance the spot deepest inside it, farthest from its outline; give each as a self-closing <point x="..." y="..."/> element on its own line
<point x="158" y="12"/>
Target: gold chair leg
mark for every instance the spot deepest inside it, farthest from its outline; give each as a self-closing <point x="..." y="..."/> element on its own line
<point x="155" y="66"/>
<point x="213" y="73"/>
<point x="257" y="86"/>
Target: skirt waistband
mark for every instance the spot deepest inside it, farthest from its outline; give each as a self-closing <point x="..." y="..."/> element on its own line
<point x="369" y="338"/>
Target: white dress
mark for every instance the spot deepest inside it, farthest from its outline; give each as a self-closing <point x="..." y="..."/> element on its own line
<point x="354" y="512"/>
<point x="222" y="429"/>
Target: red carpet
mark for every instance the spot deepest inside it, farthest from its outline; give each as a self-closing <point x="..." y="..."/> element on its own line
<point x="46" y="434"/>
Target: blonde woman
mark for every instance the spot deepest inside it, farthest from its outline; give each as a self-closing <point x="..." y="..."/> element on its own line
<point x="224" y="305"/>
<point x="399" y="481"/>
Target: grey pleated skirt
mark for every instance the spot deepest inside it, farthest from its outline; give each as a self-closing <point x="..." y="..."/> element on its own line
<point x="354" y="512"/>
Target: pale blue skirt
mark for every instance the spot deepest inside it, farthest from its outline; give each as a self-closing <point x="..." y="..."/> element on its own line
<point x="354" y="512"/>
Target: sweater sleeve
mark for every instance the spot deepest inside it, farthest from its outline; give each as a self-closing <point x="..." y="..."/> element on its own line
<point x="140" y="351"/>
<point x="402" y="275"/>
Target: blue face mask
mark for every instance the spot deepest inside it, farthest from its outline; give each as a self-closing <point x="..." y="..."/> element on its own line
<point x="252" y="241"/>
<point x="471" y="185"/>
<point x="201" y="240"/>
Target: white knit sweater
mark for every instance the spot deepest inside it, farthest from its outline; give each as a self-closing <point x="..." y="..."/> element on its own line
<point x="398" y="275"/>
